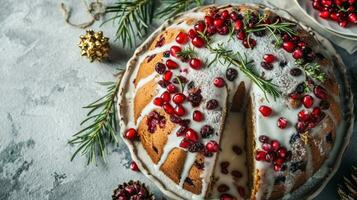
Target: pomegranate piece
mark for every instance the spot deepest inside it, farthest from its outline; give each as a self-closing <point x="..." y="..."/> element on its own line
<point x="171" y="64"/>
<point x="198" y="42"/>
<point x="178" y="98"/>
<point x="195" y="63"/>
<point x="308" y="101"/>
<point x="197" y="116"/>
<point x="134" y="166"/>
<point x="265" y="110"/>
<point x="212" y="146"/>
<point x="191" y="135"/>
<point x="175" y="50"/>
<point x="269" y="58"/>
<point x="182" y="38"/>
<point x="282" y="122"/>
<point x="130" y="134"/>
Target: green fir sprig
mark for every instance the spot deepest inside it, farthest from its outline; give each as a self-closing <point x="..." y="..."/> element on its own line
<point x="187" y="53"/>
<point x="174" y="7"/>
<point x="101" y="125"/>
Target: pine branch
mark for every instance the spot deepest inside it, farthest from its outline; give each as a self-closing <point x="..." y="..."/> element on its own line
<point x="100" y="131"/>
<point x="174" y="7"/>
<point x="133" y="18"/>
<point x="187" y="53"/>
<point x="225" y="56"/>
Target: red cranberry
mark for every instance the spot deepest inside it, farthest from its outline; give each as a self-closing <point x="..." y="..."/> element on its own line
<point x="158" y="101"/>
<point x="197" y="116"/>
<point x="265" y="110"/>
<point x="212" y="146"/>
<point x="275" y="145"/>
<point x="289" y="46"/>
<point x="180" y="110"/>
<point x="282" y="122"/>
<point x="134" y="166"/>
<point x="185" y="143"/>
<point x="249" y="43"/>
<point x="160" y="68"/>
<point x="320" y="92"/>
<point x="165" y="96"/>
<point x="168" y="108"/>
<point x="241" y="35"/>
<point x="195" y="63"/>
<point x="182" y="38"/>
<point x="303" y="116"/>
<point x="191" y="135"/>
<point x="308" y="101"/>
<point x="167" y="75"/>
<point x="175" y="50"/>
<point x="209" y="20"/>
<point x="219" y="82"/>
<point x="198" y="42"/>
<point x="297" y="54"/>
<point x="200" y="26"/>
<point x="130" y="134"/>
<point x="260" y="155"/>
<point x="218" y="23"/>
<point x="178" y="98"/>
<point x="269" y="58"/>
<point x="171" y="88"/>
<point x="239" y="25"/>
<point x="282" y="152"/>
<point x="171" y="64"/>
<point x="212" y="104"/>
<point x="192" y="33"/>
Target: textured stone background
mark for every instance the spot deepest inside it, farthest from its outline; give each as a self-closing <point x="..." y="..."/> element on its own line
<point x="43" y="84"/>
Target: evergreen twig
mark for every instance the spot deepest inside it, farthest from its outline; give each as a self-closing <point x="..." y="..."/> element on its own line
<point x="174" y="7"/>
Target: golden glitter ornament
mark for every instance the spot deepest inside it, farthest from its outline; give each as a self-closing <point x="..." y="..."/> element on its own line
<point x="94" y="45"/>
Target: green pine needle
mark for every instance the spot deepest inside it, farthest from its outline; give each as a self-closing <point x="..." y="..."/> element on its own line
<point x="101" y="127"/>
<point x="174" y="7"/>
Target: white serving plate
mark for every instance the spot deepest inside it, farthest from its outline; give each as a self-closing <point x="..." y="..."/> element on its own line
<point x="349" y="32"/>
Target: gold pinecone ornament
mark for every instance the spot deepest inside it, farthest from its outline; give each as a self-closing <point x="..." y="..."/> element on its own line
<point x="94" y="45"/>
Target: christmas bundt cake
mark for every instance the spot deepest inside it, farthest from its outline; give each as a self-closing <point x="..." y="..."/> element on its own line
<point x="232" y="102"/>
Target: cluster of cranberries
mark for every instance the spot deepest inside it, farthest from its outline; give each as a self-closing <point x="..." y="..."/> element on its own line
<point x="133" y="190"/>
<point x="341" y="11"/>
<point x="272" y="152"/>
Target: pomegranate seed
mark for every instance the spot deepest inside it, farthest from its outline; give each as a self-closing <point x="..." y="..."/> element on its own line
<point x="343" y="23"/>
<point x="174" y="50"/>
<point x="158" y="101"/>
<point x="134" y="166"/>
<point x="301" y="44"/>
<point x="260" y="155"/>
<point x="282" y="152"/>
<point x="241" y="35"/>
<point x="297" y="54"/>
<point x="270" y="156"/>
<point x="182" y="130"/>
<point x="198" y="42"/>
<point x="269" y="58"/>
<point x="180" y="110"/>
<point x="263" y="139"/>
<point x="182" y="38"/>
<point x="282" y="122"/>
<point x="192" y="33"/>
<point x="219" y="82"/>
<point x="286" y="38"/>
<point x="195" y="63"/>
<point x="171" y="64"/>
<point x="130" y="134"/>
<point x="249" y="43"/>
<point x="168" y="108"/>
<point x="316" y="112"/>
<point x="185" y="143"/>
<point x="209" y="20"/>
<point x="300" y="127"/>
<point x="275" y="145"/>
<point x="238" y="25"/>
<point x="308" y="101"/>
<point x="200" y="26"/>
<point x="218" y="23"/>
<point x="197" y="116"/>
<point x="334" y="16"/>
<point x="324" y="14"/>
<point x="223" y="30"/>
<point x="265" y="110"/>
<point x="279" y="161"/>
<point x="191" y="135"/>
<point x="212" y="146"/>
<point x="303" y="116"/>
<point x="277" y="168"/>
<point x="178" y="98"/>
<point x="320" y="92"/>
<point x="289" y="46"/>
<point x="234" y="15"/>
<point x="165" y="96"/>
<point x="171" y="88"/>
<point x="167" y="75"/>
<point x="225" y="14"/>
<point x="160" y="68"/>
<point x="266" y="146"/>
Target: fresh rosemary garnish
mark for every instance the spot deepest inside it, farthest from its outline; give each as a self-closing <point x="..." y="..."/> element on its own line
<point x="174" y="7"/>
<point x="182" y="85"/>
<point x="224" y="56"/>
<point x="134" y="18"/>
<point x="187" y="53"/>
<point x="102" y="125"/>
<point x="314" y="71"/>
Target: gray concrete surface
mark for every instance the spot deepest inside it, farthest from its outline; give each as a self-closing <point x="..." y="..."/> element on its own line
<point x="43" y="84"/>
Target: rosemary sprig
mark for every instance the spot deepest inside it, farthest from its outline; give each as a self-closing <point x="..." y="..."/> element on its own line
<point x="224" y="56"/>
<point x="314" y="71"/>
<point x="187" y="53"/>
<point x="102" y="125"/>
<point x="134" y="18"/>
<point x="174" y="7"/>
